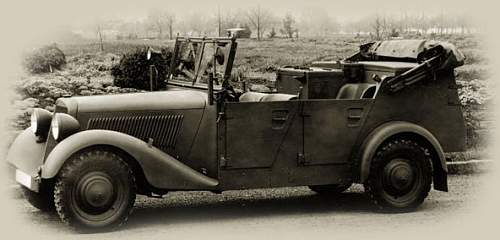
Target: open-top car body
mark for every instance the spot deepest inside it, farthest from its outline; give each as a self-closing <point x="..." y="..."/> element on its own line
<point x="383" y="117"/>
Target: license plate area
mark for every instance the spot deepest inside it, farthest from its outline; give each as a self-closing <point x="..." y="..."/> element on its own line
<point x="27" y="180"/>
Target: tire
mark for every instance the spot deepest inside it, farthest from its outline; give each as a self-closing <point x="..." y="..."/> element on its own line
<point x="330" y="189"/>
<point x="95" y="189"/>
<point x="400" y="176"/>
<point x="43" y="200"/>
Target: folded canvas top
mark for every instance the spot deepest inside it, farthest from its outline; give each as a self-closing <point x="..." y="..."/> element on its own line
<point x="416" y="50"/>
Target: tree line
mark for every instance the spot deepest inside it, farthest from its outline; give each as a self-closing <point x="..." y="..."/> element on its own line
<point x="262" y="23"/>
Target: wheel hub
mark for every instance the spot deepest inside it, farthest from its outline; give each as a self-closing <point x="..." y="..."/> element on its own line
<point x="96" y="192"/>
<point x="399" y="176"/>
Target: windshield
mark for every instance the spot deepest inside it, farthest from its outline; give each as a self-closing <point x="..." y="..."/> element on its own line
<point x="196" y="60"/>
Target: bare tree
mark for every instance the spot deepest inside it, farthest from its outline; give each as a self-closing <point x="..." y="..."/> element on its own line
<point x="99" y="34"/>
<point x="219" y="22"/>
<point x="259" y="18"/>
<point x="378" y="27"/>
<point x="198" y="24"/>
<point x="316" y="22"/>
<point x="160" y="20"/>
<point x="288" y="26"/>
<point x="170" y="24"/>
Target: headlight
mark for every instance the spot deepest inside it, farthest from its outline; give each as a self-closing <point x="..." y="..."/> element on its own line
<point x="63" y="125"/>
<point x="54" y="128"/>
<point x="40" y="122"/>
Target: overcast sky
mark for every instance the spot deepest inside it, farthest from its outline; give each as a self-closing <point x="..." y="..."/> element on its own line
<point x="34" y="18"/>
<point x="84" y="11"/>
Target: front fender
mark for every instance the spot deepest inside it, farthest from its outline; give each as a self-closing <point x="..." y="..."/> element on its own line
<point x="160" y="169"/>
<point x="25" y="153"/>
<point x="387" y="130"/>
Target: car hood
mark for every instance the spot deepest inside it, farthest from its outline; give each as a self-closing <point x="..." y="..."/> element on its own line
<point x="147" y="101"/>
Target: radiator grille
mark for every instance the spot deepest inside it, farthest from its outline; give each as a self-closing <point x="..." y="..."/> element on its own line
<point x="163" y="129"/>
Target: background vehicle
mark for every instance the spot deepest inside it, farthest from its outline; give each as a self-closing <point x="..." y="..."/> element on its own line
<point x="383" y="117"/>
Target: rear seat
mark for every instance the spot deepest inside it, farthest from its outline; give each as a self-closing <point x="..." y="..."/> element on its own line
<point x="357" y="91"/>
<point x="266" y="97"/>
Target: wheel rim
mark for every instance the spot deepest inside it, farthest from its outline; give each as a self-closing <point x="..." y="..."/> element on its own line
<point x="97" y="196"/>
<point x="96" y="192"/>
<point x="399" y="178"/>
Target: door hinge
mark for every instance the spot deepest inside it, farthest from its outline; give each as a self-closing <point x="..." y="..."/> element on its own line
<point x="223" y="161"/>
<point x="301" y="158"/>
<point x="220" y="116"/>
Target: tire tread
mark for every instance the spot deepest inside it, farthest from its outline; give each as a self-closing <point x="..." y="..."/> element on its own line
<point x="73" y="165"/>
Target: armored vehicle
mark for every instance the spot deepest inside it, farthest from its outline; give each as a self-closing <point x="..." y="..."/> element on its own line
<point x="383" y="117"/>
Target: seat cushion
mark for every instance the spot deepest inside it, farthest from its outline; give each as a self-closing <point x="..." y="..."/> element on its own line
<point x="354" y="90"/>
<point x="252" y="97"/>
<point x="278" y="97"/>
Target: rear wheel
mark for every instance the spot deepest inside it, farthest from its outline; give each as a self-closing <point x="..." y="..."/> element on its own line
<point x="400" y="176"/>
<point x="330" y="189"/>
<point x="95" y="189"/>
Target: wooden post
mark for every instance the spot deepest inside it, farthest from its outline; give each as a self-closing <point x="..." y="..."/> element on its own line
<point x="101" y="47"/>
<point x="151" y="71"/>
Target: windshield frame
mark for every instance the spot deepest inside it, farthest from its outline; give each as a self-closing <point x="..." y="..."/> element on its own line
<point x="201" y="44"/>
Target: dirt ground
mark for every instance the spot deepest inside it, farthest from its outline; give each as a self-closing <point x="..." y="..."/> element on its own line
<point x="274" y="213"/>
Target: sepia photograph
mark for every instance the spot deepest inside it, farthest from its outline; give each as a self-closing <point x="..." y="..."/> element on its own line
<point x="249" y="119"/>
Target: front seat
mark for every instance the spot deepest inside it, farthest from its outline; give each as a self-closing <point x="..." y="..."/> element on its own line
<point x="265" y="97"/>
<point x="252" y="97"/>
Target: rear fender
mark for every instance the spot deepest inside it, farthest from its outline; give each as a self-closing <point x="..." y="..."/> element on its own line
<point x="160" y="169"/>
<point x="391" y="129"/>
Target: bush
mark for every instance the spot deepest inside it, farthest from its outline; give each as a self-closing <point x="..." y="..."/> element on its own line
<point x="44" y="60"/>
<point x="133" y="69"/>
<point x="43" y="90"/>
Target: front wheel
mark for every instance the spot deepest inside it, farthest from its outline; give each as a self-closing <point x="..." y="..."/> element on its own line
<point x="400" y="176"/>
<point x="95" y="189"/>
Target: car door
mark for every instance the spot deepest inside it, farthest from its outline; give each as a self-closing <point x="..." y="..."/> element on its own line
<point x="254" y="131"/>
<point x="330" y="129"/>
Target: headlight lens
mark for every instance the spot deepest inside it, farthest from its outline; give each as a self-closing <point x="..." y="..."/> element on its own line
<point x="54" y="127"/>
<point x="40" y="122"/>
<point x="34" y="122"/>
<point x="63" y="125"/>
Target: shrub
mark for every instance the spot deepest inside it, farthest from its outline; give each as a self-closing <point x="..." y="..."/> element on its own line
<point x="43" y="90"/>
<point x="473" y="96"/>
<point x="44" y="60"/>
<point x="272" y="33"/>
<point x="133" y="69"/>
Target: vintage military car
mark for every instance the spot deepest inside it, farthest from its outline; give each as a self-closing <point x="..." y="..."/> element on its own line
<point x="383" y="117"/>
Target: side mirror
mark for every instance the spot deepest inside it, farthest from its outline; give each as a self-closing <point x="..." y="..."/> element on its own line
<point x="219" y="56"/>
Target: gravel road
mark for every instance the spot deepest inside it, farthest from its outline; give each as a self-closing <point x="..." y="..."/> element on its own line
<point x="270" y="213"/>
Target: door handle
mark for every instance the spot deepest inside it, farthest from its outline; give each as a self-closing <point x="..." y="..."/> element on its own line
<point x="279" y="118"/>
<point x="354" y="116"/>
